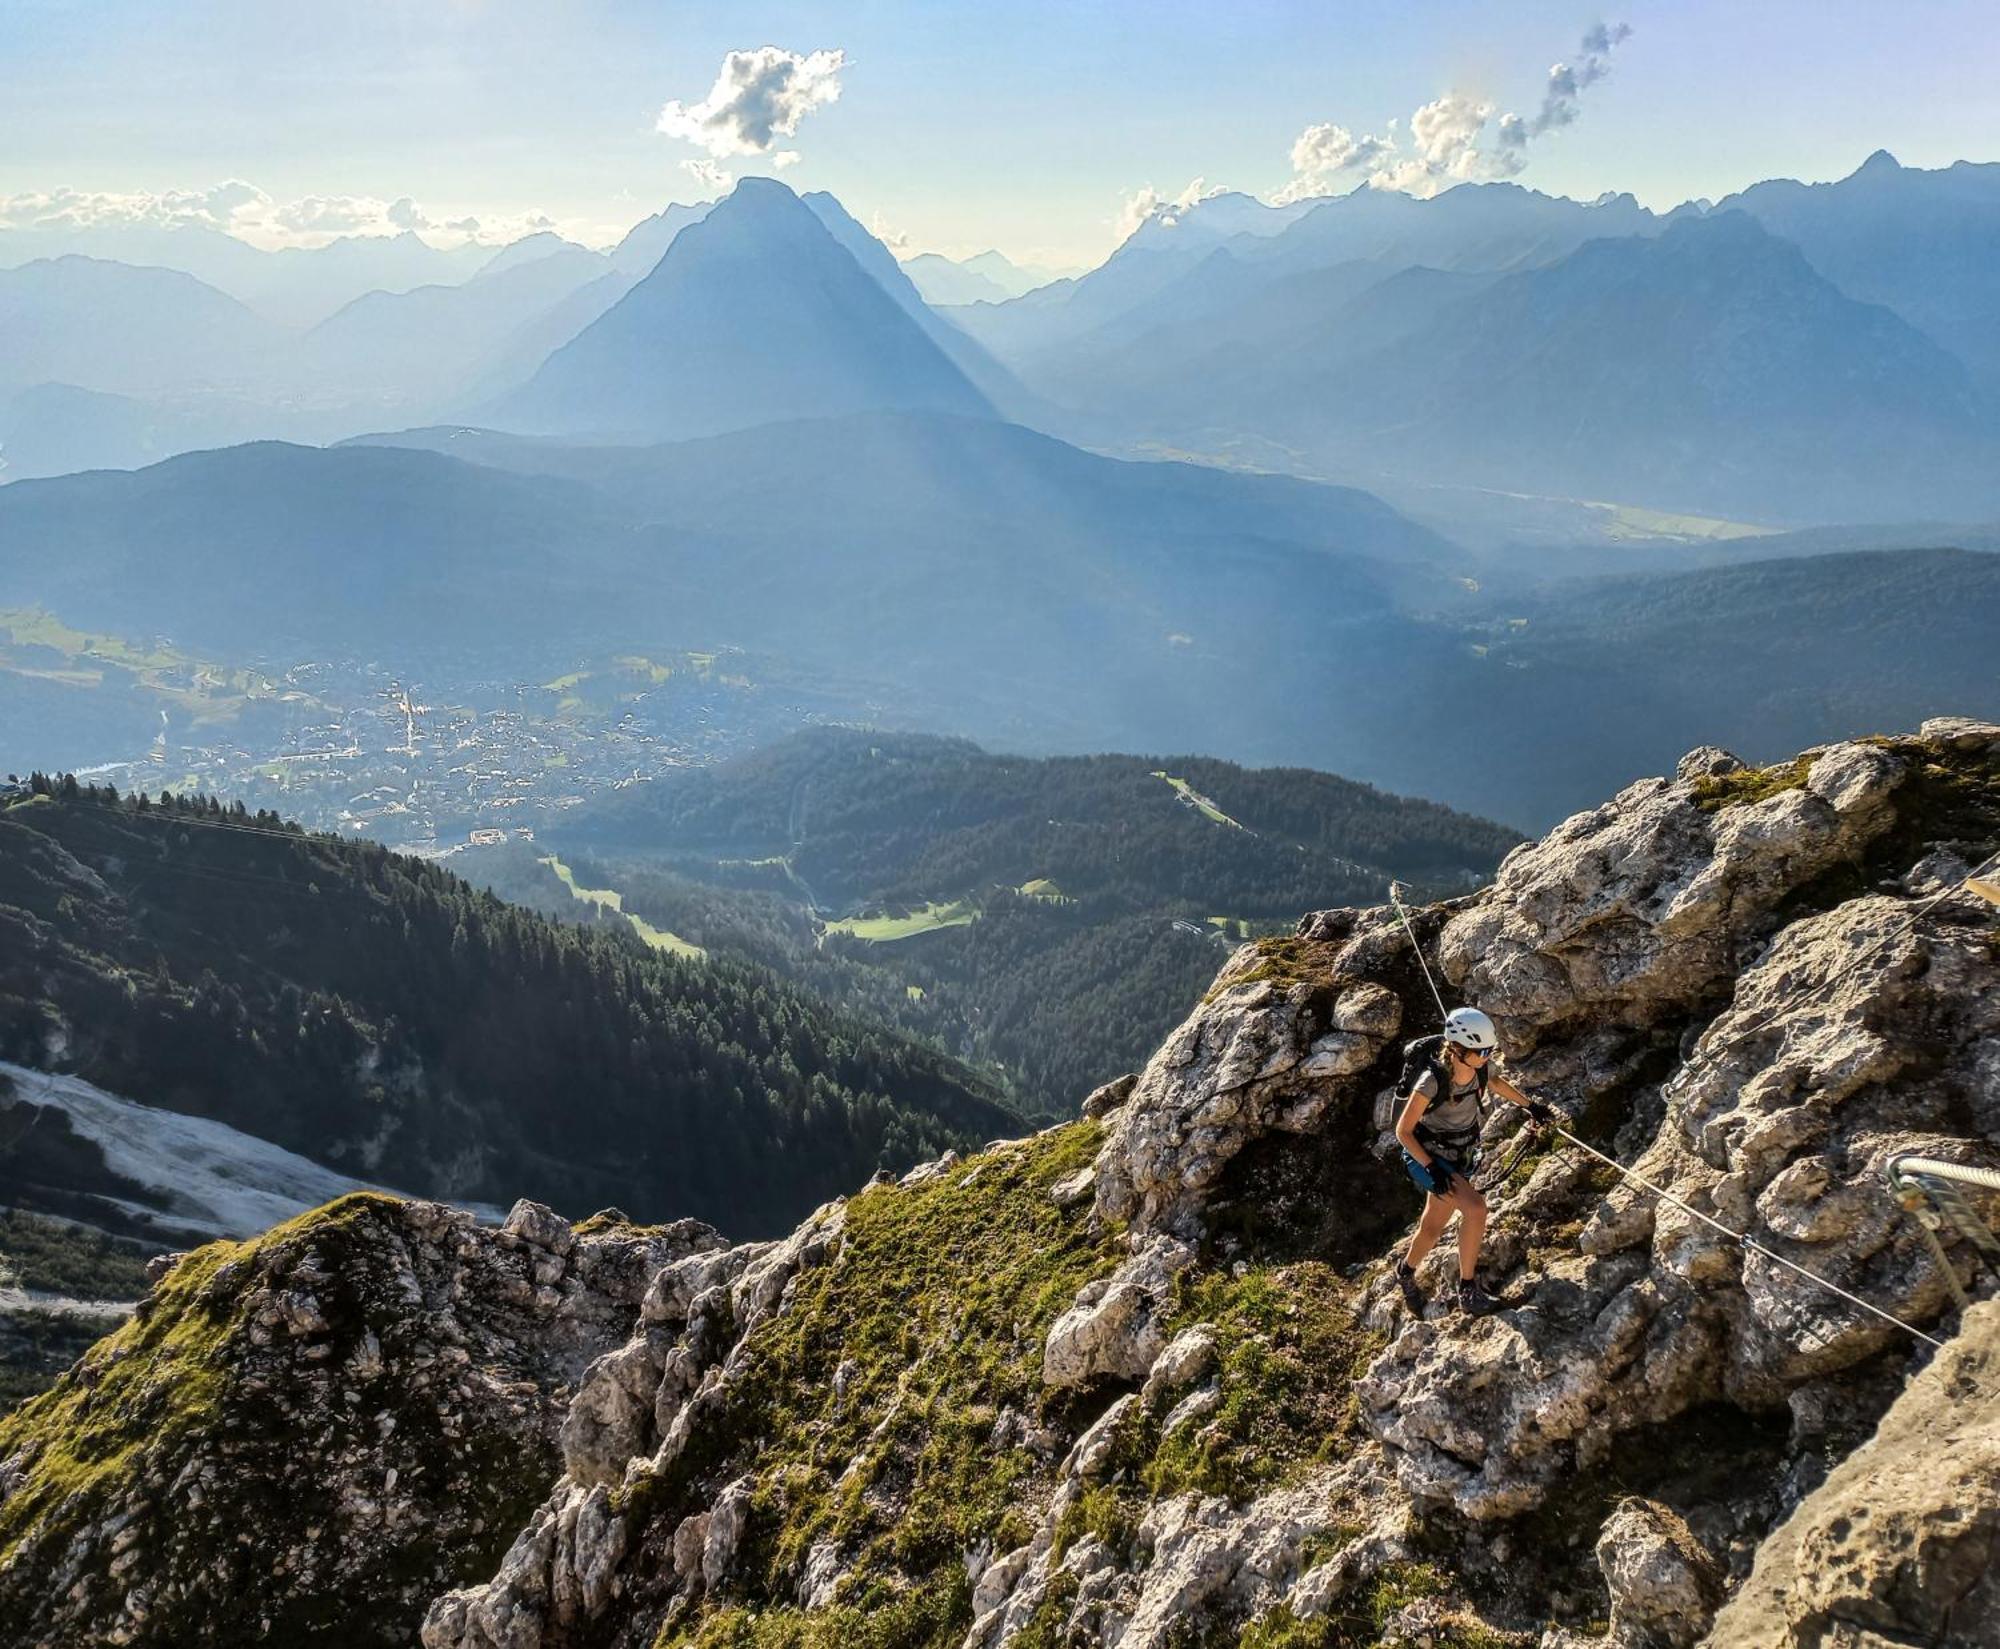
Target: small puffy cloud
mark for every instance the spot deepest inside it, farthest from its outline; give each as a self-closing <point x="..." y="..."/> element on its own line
<point x="894" y="239"/>
<point x="1565" y="85"/>
<point x="1446" y="133"/>
<point x="1148" y="204"/>
<point x="758" y="97"/>
<point x="1322" y="155"/>
<point x="406" y="214"/>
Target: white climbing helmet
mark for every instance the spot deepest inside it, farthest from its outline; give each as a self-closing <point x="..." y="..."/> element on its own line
<point x="1469" y="1028"/>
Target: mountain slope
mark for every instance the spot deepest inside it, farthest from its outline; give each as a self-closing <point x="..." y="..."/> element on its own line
<point x="1710" y="368"/>
<point x="755" y="314"/>
<point x="110" y="327"/>
<point x="1051" y="918"/>
<point x="1002" y="390"/>
<point x="430" y="343"/>
<point x="1148" y="1377"/>
<point x="1923" y="243"/>
<point x="374" y="1013"/>
<point x="940" y="281"/>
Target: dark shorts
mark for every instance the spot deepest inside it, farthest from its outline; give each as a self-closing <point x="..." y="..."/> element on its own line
<point x="1422" y="1175"/>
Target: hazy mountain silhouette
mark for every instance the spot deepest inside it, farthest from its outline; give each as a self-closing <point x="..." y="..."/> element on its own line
<point x="941" y="281"/>
<point x="1924" y="243"/>
<point x="646" y="242"/>
<point x="433" y="343"/>
<point x="756" y="313"/>
<point x="1000" y="387"/>
<point x="111" y="327"/>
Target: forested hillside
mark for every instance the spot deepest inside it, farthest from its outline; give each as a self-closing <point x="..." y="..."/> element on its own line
<point x="378" y="1014"/>
<point x="1051" y="917"/>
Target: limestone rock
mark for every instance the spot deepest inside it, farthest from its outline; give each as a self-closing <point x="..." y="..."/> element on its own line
<point x="1118" y="1325"/>
<point x="727" y="1519"/>
<point x="537" y="1223"/>
<point x="376" y="1387"/>
<point x="1189" y="1358"/>
<point x="1663" y="1585"/>
<point x="1640" y="906"/>
<point x="1101" y="1102"/>
<point x="1251" y="1059"/>
<point x="1901" y="1543"/>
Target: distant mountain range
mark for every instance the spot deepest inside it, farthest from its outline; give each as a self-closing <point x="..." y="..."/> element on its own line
<point x="1839" y="366"/>
<point x="1792" y="355"/>
<point x="999" y="583"/>
<point x="990" y="277"/>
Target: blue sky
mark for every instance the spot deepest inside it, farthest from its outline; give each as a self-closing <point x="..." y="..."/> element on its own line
<point x="1019" y="123"/>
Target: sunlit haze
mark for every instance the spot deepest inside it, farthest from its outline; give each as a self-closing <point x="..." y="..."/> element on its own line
<point x="1033" y="126"/>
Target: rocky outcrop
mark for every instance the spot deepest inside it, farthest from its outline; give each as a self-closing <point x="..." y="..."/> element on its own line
<point x="1901" y="1544"/>
<point x="1112" y="1386"/>
<point x="639" y="1409"/>
<point x="1263" y="1054"/>
<point x="326" y="1425"/>
<point x="1664" y="1585"/>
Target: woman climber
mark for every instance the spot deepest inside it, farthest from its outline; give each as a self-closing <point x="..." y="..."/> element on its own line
<point x="1439" y="1132"/>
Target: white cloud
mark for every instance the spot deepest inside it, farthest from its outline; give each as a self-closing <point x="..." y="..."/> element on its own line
<point x="894" y="239"/>
<point x="1449" y="134"/>
<point x="1149" y="203"/>
<point x="407" y="214"/>
<point x="220" y="207"/>
<point x="1323" y="154"/>
<point x="758" y="97"/>
<point x="336" y="215"/>
<point x="706" y="173"/>
<point x="249" y="213"/>
<point x="1565" y="85"/>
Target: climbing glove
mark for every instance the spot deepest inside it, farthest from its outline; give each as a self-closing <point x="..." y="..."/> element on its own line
<point x="1441" y="1176"/>
<point x="1540" y="1112"/>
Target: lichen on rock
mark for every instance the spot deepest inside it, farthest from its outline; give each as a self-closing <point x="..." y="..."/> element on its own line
<point x="312" y="1432"/>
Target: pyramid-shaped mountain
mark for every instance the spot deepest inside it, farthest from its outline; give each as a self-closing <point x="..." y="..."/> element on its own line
<point x="755" y="314"/>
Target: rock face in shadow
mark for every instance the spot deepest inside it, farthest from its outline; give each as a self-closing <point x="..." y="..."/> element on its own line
<point x="1901" y="1543"/>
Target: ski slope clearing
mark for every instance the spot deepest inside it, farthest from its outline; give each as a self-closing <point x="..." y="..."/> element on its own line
<point x="210" y="1177"/>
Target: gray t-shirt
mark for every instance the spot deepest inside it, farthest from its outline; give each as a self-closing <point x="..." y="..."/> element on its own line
<point x="1454" y="1118"/>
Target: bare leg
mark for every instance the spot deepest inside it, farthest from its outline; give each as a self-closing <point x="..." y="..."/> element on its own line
<point x="1471" y="1208"/>
<point x="1437" y="1214"/>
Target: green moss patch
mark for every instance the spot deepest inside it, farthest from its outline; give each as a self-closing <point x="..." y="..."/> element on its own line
<point x="1290" y="1351"/>
<point x="1284" y="960"/>
<point x="869" y="1405"/>
<point x="144" y="1387"/>
<point x="1750" y="784"/>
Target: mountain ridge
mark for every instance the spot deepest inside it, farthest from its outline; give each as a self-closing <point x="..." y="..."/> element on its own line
<point x="669" y="358"/>
<point x="1148" y="1373"/>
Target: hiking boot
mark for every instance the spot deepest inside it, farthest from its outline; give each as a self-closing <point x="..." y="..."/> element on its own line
<point x="1413" y="1296"/>
<point x="1473" y="1300"/>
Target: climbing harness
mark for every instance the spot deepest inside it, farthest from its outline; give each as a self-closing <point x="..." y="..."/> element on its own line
<point x="1910" y="1170"/>
<point x="1498" y="1174"/>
